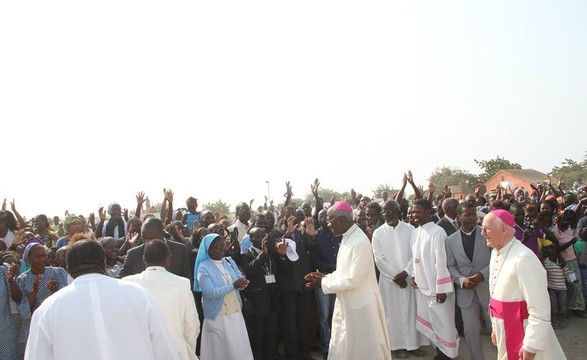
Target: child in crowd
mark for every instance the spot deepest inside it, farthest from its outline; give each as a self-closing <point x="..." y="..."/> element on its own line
<point x="557" y="275"/>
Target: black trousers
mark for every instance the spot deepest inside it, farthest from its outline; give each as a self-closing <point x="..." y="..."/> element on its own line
<point x="295" y="314"/>
<point x="262" y="331"/>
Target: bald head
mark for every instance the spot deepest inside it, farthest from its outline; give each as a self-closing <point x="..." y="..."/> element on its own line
<point x="496" y="231"/>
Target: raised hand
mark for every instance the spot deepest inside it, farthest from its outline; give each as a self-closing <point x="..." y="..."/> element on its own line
<point x="310" y="228"/>
<point x="37" y="283"/>
<point x="132" y="238"/>
<point x="559" y="183"/>
<point x="19" y="238"/>
<point x="92" y="218"/>
<point x="141" y="198"/>
<point x="431" y="187"/>
<point x="405" y="179"/>
<point x="410" y="177"/>
<point x="265" y="246"/>
<point x="281" y="247"/>
<point x="291" y="224"/>
<point x="12" y="269"/>
<point x="52" y="285"/>
<point x="102" y="214"/>
<point x="169" y="195"/>
<point x="13" y="205"/>
<point x="4" y="204"/>
<point x="125" y="213"/>
<point x="314" y="187"/>
<point x="332" y="198"/>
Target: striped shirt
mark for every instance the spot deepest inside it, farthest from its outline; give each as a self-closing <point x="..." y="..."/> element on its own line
<point x="556" y="275"/>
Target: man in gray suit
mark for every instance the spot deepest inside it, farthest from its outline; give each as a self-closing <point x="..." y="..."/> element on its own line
<point x="467" y="256"/>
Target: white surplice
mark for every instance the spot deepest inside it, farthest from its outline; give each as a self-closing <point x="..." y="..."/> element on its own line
<point x="359" y="330"/>
<point x="393" y="254"/>
<point x="97" y="317"/>
<point x="434" y="320"/>
<point x="516" y="274"/>
<point x="174" y="296"/>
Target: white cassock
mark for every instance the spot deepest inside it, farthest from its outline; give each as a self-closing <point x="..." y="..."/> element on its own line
<point x="517" y="277"/>
<point x="174" y="296"/>
<point x="393" y="254"/>
<point x="97" y="317"/>
<point x="359" y="330"/>
<point x="434" y="320"/>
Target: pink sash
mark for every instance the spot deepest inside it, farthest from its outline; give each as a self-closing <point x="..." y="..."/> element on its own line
<point x="513" y="314"/>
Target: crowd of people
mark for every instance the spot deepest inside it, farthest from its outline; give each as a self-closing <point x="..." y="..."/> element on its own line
<point x="359" y="278"/>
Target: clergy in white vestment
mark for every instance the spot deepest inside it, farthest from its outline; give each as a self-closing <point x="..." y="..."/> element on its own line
<point x="519" y="305"/>
<point x="435" y="296"/>
<point x="393" y="256"/>
<point x="97" y="317"/>
<point x="174" y="296"/>
<point x="359" y="330"/>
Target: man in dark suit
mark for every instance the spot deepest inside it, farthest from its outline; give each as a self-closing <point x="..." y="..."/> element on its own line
<point x="153" y="229"/>
<point x="262" y="295"/>
<point x="449" y="221"/>
<point x="467" y="257"/>
<point x="450" y="225"/>
<point x="295" y="299"/>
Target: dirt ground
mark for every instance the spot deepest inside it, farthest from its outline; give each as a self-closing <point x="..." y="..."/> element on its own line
<point x="572" y="339"/>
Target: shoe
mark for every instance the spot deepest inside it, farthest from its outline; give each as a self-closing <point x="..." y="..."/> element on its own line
<point x="580" y="313"/>
<point x="401" y="354"/>
<point x="417" y="352"/>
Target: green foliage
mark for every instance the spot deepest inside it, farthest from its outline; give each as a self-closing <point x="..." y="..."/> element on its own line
<point x="571" y="170"/>
<point x="218" y="207"/>
<point x="325" y="194"/>
<point x="492" y="166"/>
<point x="384" y="187"/>
<point x="452" y="176"/>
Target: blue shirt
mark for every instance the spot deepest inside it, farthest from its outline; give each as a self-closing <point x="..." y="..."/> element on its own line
<point x="325" y="251"/>
<point x="189" y="220"/>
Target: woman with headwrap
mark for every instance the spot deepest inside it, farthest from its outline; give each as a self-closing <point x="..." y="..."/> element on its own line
<point x="113" y="265"/>
<point x="37" y="284"/>
<point x="72" y="225"/>
<point x="564" y="231"/>
<point x="224" y="334"/>
<point x="9" y="295"/>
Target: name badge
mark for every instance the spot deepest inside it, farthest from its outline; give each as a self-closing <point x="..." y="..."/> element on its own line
<point x="269" y="279"/>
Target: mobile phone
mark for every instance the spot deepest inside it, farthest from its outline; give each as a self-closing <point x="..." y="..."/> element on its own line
<point x="234" y="234"/>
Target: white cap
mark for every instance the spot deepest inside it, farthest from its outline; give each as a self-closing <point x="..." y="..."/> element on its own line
<point x="291" y="253"/>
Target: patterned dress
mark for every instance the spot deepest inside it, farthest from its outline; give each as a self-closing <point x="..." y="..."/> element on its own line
<point x="7" y="323"/>
<point x="25" y="282"/>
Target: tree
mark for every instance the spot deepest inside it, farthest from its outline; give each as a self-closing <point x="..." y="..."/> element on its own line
<point x="570" y="171"/>
<point x="325" y="194"/>
<point x="453" y="176"/>
<point x="491" y="167"/>
<point x="384" y="187"/>
<point x="218" y="207"/>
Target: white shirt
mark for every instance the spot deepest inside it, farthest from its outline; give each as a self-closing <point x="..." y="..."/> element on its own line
<point x="174" y="296"/>
<point x="99" y="318"/>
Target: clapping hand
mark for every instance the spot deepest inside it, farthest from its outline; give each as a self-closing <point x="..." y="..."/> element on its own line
<point x="52" y="285"/>
<point x="241" y="283"/>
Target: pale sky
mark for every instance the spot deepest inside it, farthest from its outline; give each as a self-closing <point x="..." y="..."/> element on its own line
<point x="100" y="100"/>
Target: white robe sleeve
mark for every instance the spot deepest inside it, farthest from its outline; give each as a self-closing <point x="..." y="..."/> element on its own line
<point x="353" y="278"/>
<point x="381" y="261"/>
<point x="443" y="278"/>
<point x="191" y="323"/>
<point x="533" y="285"/>
<point x="38" y="344"/>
